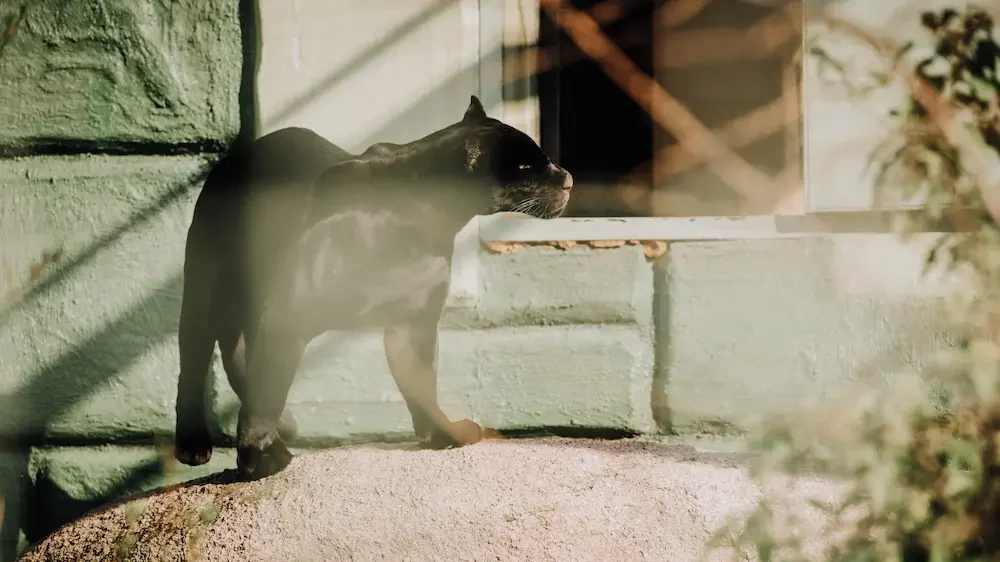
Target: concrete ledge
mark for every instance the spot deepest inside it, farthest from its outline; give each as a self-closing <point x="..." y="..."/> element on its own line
<point x="518" y="227"/>
<point x="540" y="286"/>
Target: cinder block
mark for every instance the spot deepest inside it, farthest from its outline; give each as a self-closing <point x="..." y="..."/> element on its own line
<point x="90" y="351"/>
<point x="763" y="326"/>
<point x="584" y="376"/>
<point x="587" y="375"/>
<point x="122" y="70"/>
<point x="536" y="286"/>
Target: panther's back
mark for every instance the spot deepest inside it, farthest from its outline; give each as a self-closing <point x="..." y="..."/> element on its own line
<point x="253" y="200"/>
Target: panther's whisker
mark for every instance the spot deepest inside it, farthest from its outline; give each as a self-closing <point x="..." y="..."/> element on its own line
<point x="525" y="205"/>
<point x="541" y="208"/>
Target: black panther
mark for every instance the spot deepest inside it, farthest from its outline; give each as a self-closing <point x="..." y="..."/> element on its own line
<point x="292" y="236"/>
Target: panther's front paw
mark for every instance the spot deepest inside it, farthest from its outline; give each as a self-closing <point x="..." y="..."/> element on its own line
<point x="457" y="434"/>
<point x="258" y="456"/>
<point x="193" y="447"/>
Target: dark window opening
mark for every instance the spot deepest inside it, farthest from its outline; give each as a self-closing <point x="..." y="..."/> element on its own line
<point x="592" y="127"/>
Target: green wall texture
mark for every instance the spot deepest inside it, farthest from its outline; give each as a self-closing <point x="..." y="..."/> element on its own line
<point x="108" y="72"/>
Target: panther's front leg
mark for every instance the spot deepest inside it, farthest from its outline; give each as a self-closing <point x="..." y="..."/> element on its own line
<point x="411" y="351"/>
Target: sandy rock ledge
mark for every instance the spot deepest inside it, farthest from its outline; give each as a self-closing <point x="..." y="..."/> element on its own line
<point x="538" y="500"/>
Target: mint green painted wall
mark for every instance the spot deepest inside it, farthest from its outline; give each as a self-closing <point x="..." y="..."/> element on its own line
<point x="750" y="328"/>
<point x="90" y="353"/>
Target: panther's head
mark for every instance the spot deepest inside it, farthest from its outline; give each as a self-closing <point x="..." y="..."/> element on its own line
<point x="522" y="178"/>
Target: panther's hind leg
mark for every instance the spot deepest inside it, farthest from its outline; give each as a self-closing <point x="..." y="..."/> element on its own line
<point x="196" y="341"/>
<point x="235" y="350"/>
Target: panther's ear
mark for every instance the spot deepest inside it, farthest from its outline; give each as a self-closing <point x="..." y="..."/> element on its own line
<point x="475" y="111"/>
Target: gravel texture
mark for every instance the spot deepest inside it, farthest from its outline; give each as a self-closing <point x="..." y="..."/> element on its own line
<point x="548" y="499"/>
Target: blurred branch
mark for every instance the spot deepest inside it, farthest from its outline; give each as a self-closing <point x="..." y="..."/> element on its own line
<point x="780" y="114"/>
<point x="699" y="46"/>
<point x="686" y="47"/>
<point x="679" y="12"/>
<point x="761" y="40"/>
<point x="742" y="131"/>
<point x="532" y="60"/>
<point x="792" y="177"/>
<point x="665" y="110"/>
<point x="610" y="11"/>
<point x="985" y="165"/>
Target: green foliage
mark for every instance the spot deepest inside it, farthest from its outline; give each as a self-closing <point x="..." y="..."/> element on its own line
<point x="921" y="472"/>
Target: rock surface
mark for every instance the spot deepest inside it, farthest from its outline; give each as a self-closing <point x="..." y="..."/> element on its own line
<point x="121" y="73"/>
<point x="539" y="499"/>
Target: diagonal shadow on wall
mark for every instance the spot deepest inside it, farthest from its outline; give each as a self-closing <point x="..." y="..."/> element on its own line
<point x="64" y="270"/>
<point x="63" y="507"/>
<point x="65" y="382"/>
<point x="90" y="365"/>
<point x="357" y="62"/>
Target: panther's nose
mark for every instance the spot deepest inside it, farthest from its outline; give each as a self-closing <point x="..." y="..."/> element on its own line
<point x="567" y="181"/>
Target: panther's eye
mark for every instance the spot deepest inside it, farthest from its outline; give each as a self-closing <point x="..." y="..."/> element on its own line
<point x="523" y="166"/>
